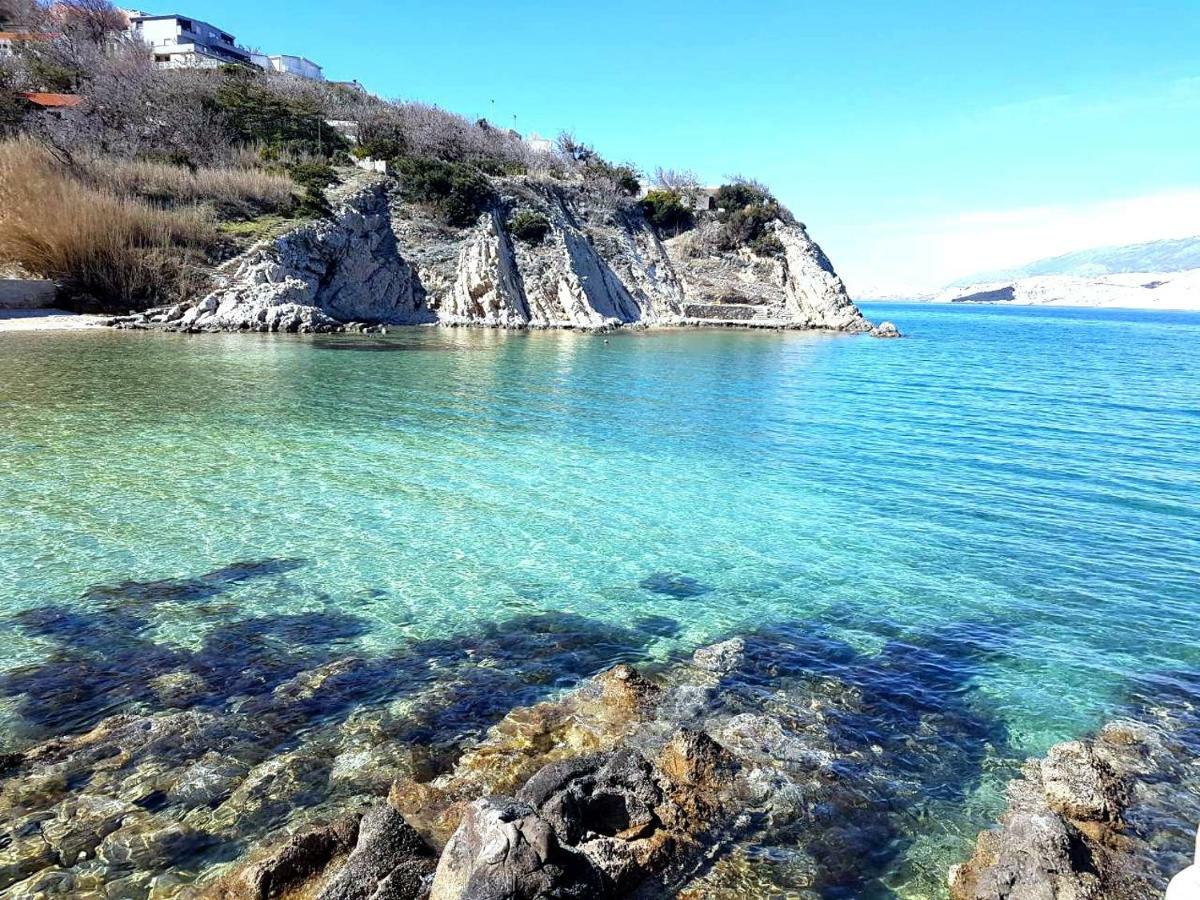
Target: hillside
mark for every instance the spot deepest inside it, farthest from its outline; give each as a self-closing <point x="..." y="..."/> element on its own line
<point x="1176" y="255"/>
<point x="232" y="194"/>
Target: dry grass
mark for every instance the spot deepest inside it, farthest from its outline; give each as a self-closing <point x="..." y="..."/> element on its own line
<point x="108" y="251"/>
<point x="240" y="193"/>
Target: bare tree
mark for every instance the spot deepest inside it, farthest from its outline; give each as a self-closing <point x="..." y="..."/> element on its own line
<point x="21" y="12"/>
<point x="95" y="21"/>
<point x="679" y="181"/>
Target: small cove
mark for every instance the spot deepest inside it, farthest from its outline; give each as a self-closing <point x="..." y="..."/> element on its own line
<point x="997" y="516"/>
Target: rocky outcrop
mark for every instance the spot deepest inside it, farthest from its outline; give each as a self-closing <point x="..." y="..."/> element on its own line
<point x="886" y="330"/>
<point x="796" y="287"/>
<point x="381" y="260"/>
<point x="780" y="757"/>
<point x="1106" y="817"/>
<point x="316" y="278"/>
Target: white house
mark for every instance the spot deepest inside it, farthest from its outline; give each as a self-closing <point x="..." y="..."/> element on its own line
<point x="289" y="65"/>
<point x="179" y="42"/>
<point x="539" y="144"/>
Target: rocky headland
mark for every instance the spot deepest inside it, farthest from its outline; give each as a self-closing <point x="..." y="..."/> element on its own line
<point x="379" y="260"/>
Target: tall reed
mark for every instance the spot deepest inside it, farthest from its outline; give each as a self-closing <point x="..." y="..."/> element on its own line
<point x="108" y="251"/>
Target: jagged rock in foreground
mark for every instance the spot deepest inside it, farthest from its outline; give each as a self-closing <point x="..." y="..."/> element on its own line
<point x="381" y="260"/>
<point x="784" y="757"/>
<point x="1104" y="818"/>
<point x="635" y="786"/>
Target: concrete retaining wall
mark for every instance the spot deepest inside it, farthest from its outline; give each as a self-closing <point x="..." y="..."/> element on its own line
<point x="26" y="293"/>
<point x="721" y="312"/>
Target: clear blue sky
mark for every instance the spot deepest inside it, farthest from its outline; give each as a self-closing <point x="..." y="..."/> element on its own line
<point x="884" y="125"/>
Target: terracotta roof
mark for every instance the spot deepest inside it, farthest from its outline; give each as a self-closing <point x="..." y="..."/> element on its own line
<point x="51" y="101"/>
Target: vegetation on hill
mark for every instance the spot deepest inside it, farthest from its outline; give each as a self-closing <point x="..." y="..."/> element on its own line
<point x="746" y="209"/>
<point x="529" y="225"/>
<point x="175" y="151"/>
<point x="667" y="211"/>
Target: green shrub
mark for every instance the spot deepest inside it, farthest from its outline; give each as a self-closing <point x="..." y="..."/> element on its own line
<point x="256" y="114"/>
<point x="313" y="178"/>
<point x="666" y="211"/>
<point x="746" y="209"/>
<point x="767" y="244"/>
<point x="48" y="75"/>
<point x="529" y="226"/>
<point x="457" y="191"/>
<point x="742" y="227"/>
<point x="741" y="194"/>
<point x="624" y="177"/>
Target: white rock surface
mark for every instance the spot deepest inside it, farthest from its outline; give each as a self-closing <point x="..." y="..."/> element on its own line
<point x="380" y="260"/>
<point x="319" y="276"/>
<point x="1136" y="290"/>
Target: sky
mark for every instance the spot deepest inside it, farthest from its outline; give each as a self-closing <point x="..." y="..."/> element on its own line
<point x="920" y="141"/>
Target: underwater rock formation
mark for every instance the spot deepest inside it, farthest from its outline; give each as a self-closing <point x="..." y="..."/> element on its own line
<point x="1111" y="816"/>
<point x="253" y="761"/>
<point x="633" y="784"/>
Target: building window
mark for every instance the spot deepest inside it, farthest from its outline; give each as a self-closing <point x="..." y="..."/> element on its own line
<point x="161" y="57"/>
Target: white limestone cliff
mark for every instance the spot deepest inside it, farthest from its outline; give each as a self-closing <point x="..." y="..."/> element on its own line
<point x="380" y="260"/>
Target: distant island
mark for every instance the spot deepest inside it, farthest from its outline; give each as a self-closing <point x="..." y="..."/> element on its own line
<point x="1155" y="275"/>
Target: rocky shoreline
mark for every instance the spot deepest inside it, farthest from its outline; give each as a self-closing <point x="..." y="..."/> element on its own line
<point x="621" y="798"/>
<point x="783" y="760"/>
<point x="381" y="261"/>
<point x="1110" y="816"/>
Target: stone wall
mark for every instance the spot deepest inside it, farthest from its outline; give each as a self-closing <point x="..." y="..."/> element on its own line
<point x="27" y="293"/>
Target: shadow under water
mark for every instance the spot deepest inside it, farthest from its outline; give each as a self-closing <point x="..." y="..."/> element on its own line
<point x="269" y="720"/>
<point x="876" y="746"/>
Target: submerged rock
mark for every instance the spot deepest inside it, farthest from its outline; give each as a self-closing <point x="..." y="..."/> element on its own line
<point x="300" y="858"/>
<point x="721" y="658"/>
<point x="1094" y="819"/>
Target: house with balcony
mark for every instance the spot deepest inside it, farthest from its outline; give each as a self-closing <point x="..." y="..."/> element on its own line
<point x="287" y="64"/>
<point x="180" y="42"/>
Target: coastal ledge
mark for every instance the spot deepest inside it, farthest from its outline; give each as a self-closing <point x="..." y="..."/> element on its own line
<point x="382" y="261"/>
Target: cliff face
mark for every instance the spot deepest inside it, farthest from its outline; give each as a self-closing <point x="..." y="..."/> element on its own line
<point x="382" y="261"/>
<point x="797" y="288"/>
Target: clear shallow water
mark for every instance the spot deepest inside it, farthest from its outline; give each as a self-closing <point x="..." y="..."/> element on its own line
<point x="1019" y="488"/>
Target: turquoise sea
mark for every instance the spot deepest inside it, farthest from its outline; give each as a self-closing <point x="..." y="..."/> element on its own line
<point x="1013" y="491"/>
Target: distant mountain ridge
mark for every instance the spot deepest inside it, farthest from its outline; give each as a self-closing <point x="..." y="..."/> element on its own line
<point x="1173" y="255"/>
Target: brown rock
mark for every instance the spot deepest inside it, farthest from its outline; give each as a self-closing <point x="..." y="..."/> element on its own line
<point x="303" y="857"/>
